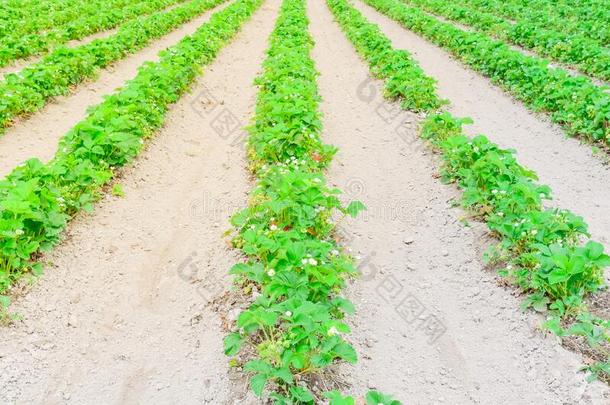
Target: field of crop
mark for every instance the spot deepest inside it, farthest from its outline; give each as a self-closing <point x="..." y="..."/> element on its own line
<point x="340" y="202"/>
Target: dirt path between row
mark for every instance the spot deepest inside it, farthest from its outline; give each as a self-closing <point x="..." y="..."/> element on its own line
<point x="122" y="316"/>
<point x="579" y="179"/>
<point x="38" y="135"/>
<point x="422" y="266"/>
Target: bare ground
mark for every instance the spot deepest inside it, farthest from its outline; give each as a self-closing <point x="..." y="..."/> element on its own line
<point x="38" y="134"/>
<point x="420" y="264"/>
<point x="122" y="315"/>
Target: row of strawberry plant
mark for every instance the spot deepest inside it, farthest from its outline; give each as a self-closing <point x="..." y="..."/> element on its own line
<point x="57" y="73"/>
<point x="403" y="74"/>
<point x="581" y="107"/>
<point x="584" y="54"/>
<point x="542" y="248"/>
<point x="37" y="200"/>
<point x="293" y="327"/>
<point x="21" y="46"/>
<point x="587" y="18"/>
<point x="43" y="16"/>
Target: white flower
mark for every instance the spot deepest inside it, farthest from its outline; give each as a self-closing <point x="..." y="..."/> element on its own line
<point x="542" y="195"/>
<point x="509" y="267"/>
<point x="494" y="191"/>
<point x="534" y="231"/>
<point x="334" y="252"/>
<point x="316" y="180"/>
<point x="288" y="313"/>
<point x="271" y="272"/>
<point x="304" y="261"/>
<point x="500" y="214"/>
<point x="19" y="232"/>
<point x="313" y="262"/>
<point x="273" y="227"/>
<point x="332" y="331"/>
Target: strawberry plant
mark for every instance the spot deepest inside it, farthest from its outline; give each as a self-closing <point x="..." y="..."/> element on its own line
<point x="34" y="17"/>
<point x="30" y="89"/>
<point x="584" y="54"/>
<point x="587" y="19"/>
<point x="581" y="107"/>
<point x="543" y="249"/>
<point x="17" y="45"/>
<point x="37" y="200"/>
<point x="295" y="324"/>
<point x="405" y="80"/>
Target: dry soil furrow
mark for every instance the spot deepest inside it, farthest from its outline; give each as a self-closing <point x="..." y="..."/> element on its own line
<point x="421" y="265"/>
<point x="579" y="179"/>
<point x="122" y="315"/>
<point x="38" y="135"/>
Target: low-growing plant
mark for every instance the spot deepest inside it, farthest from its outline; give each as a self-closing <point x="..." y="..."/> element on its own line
<point x="542" y="249"/>
<point x="294" y="325"/>
<point x="56" y="74"/>
<point x="17" y="45"/>
<point x="37" y="200"/>
<point x="580" y="106"/>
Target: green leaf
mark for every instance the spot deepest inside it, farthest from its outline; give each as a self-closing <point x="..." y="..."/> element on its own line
<point x="257" y="383"/>
<point x="354" y="208"/>
<point x="335" y="398"/>
<point x="232" y="344"/>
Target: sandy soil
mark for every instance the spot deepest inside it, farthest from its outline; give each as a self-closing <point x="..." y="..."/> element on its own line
<point x="422" y="266"/>
<point x="124" y="313"/>
<point x="578" y="178"/>
<point x="121" y="316"/>
<point x="38" y="134"/>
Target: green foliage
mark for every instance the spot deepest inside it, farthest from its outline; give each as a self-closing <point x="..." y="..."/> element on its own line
<point x="29" y="17"/>
<point x="587" y="19"/>
<point x="109" y="15"/>
<point x="542" y="247"/>
<point x="583" y="53"/>
<point x="295" y="325"/>
<point x="581" y="107"/>
<point x="37" y="200"/>
<point x="405" y="80"/>
<point x="29" y="90"/>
